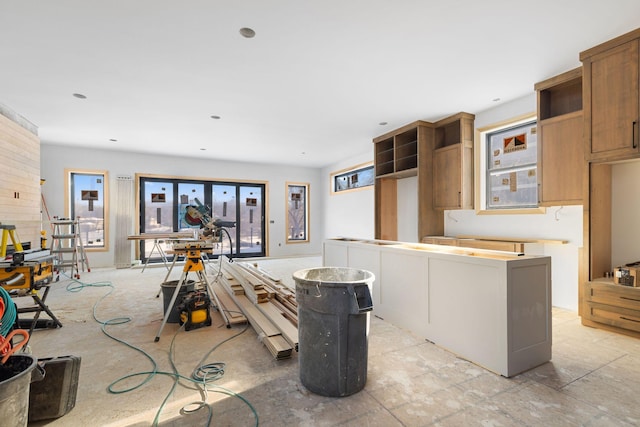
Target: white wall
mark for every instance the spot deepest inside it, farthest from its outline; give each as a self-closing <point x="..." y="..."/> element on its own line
<point x="625" y="213"/>
<point x="408" y="209"/>
<point x="350" y="213"/>
<point x="55" y="159"/>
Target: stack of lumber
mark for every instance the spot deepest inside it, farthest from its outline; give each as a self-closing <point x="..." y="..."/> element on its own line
<point x="232" y="312"/>
<point x="269" y="306"/>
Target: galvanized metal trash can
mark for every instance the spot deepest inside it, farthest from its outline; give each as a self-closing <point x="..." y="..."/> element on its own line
<point x="14" y="389"/>
<point x="333" y="328"/>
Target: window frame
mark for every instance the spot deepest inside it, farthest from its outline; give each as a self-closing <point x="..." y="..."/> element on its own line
<point x="70" y="198"/>
<point x="288" y="187"/>
<point x="348" y="172"/>
<point x="481" y="168"/>
<point x="209" y="183"/>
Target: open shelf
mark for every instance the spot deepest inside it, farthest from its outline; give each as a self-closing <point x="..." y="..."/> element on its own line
<point x="384" y="157"/>
<point x="560" y="95"/>
<point x="448" y="134"/>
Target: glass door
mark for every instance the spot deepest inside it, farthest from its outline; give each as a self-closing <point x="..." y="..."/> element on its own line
<point x="251" y="218"/>
<point x="237" y="207"/>
<point x="158" y="215"/>
<point x="224" y="202"/>
<point x="242" y="204"/>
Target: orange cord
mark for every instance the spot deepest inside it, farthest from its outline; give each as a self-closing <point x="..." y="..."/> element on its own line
<point x="5" y="343"/>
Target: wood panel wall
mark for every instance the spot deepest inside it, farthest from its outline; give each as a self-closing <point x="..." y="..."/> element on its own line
<point x="20" y="196"/>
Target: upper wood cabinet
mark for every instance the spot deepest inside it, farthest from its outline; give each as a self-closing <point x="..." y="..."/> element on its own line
<point x="561" y="165"/>
<point x="453" y="162"/>
<point x="396" y="152"/>
<point x="612" y="98"/>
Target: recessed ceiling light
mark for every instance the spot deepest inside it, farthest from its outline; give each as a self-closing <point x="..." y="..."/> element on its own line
<point x="203" y="149"/>
<point x="247" y="33"/>
<point x="303" y="153"/>
<point x="383" y="123"/>
<point x="215" y="117"/>
<point x="79" y="95"/>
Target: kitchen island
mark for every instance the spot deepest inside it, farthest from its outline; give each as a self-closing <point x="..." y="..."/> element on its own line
<point x="492" y="308"/>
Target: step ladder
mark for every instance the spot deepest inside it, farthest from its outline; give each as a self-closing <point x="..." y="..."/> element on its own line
<point x="67" y="247"/>
<point x="9" y="232"/>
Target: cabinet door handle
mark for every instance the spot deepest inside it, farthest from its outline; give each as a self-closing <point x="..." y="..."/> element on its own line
<point x="459" y="199"/>
<point x="629" y="319"/>
<point x="633" y="134"/>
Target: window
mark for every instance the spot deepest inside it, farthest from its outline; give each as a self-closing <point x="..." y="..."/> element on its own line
<point x="509" y="164"/>
<point x="297" y="213"/>
<point x="354" y="178"/>
<point x="165" y="205"/>
<point x="87" y="204"/>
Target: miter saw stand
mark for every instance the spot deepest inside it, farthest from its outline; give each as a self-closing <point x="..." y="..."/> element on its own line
<point x="193" y="263"/>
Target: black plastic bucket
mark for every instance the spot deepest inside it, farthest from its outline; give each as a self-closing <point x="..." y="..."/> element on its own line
<point x="168" y="288"/>
<point x="14" y="389"/>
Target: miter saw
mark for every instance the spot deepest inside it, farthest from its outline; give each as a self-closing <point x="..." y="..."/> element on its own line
<point x="211" y="228"/>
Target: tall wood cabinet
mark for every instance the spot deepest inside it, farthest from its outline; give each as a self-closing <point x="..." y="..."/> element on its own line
<point x="20" y="184"/>
<point x="399" y="154"/>
<point x="561" y="166"/>
<point x="440" y="155"/>
<point x="611" y="95"/>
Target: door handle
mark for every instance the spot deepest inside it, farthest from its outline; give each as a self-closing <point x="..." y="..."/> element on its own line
<point x="633" y="134"/>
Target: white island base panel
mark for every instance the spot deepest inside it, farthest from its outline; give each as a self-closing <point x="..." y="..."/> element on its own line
<point x="491" y="308"/>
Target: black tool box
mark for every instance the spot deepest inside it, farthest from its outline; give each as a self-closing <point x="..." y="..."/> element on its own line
<point x="55" y="394"/>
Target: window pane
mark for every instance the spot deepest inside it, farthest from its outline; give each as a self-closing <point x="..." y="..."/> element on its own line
<point x="158" y="207"/>
<point x="518" y="188"/>
<point x="513" y="147"/>
<point x="224" y="209"/>
<point x="189" y="195"/>
<point x="88" y="207"/>
<point x="297" y="213"/>
<point x="250" y="219"/>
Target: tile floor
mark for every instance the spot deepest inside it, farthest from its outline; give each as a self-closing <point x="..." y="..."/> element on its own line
<point x="593" y="379"/>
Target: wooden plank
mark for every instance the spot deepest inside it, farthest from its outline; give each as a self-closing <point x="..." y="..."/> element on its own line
<point x="253" y="291"/>
<point x="231" y="309"/>
<point x="286" y="328"/>
<point x="278" y="347"/>
<point x="513" y="239"/>
<point x="255" y="316"/>
<point x="291" y="316"/>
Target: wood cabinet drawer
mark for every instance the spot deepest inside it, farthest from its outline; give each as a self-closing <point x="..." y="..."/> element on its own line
<point x="615" y="316"/>
<point x="615" y="295"/>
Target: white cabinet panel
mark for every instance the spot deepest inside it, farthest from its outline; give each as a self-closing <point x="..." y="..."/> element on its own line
<point x="404" y="294"/>
<point x="468" y="313"/>
<point x="368" y="258"/>
<point x="334" y="254"/>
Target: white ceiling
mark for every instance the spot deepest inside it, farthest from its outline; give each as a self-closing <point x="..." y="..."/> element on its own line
<point x="310" y="88"/>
